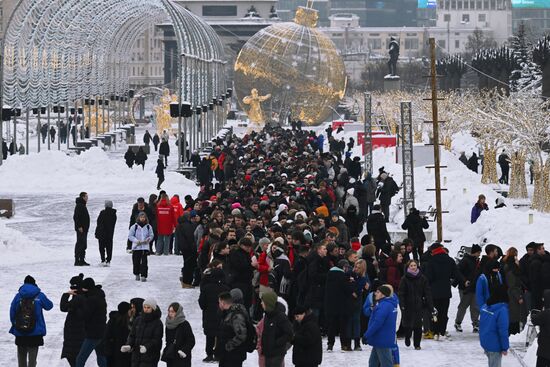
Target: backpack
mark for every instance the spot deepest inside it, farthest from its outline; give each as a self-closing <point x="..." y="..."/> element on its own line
<point x="251" y="334"/>
<point x="25" y="318"/>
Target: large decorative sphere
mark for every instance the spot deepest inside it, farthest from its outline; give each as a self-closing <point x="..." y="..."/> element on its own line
<point x="295" y="67"/>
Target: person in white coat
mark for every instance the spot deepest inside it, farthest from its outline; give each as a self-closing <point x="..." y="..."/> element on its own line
<point x="141" y="234"/>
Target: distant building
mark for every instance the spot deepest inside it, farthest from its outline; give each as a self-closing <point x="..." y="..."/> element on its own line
<point x="535" y="14"/>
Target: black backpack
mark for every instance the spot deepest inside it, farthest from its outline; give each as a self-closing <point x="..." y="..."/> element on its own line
<point x="251" y="335"/>
<point x="25" y="318"/>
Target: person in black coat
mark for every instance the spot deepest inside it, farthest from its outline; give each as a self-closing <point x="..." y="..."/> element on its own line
<point x="542" y="320"/>
<point x="212" y="285"/>
<point x="439" y="270"/>
<point x="414" y="224"/>
<point x="141" y="157"/>
<point x="386" y="193"/>
<point x="376" y="227"/>
<point x="308" y="343"/>
<point x="116" y="334"/>
<point x="4" y="150"/>
<point x="317" y="269"/>
<point x="473" y="163"/>
<point x="240" y="270"/>
<point x="130" y="157"/>
<point x="204" y="172"/>
<point x="147" y="137"/>
<point x="81" y="219"/>
<point x="164" y="150"/>
<point x="156" y="141"/>
<point x="105" y="231"/>
<point x="160" y="172"/>
<point x="277" y="331"/>
<point x="470" y="269"/>
<point x="145" y="338"/>
<point x="355" y="168"/>
<point x="338" y="292"/>
<point x="414" y="296"/>
<point x="539" y="275"/>
<point x="179" y="333"/>
<point x="185" y="235"/>
<point x="95" y="318"/>
<point x="72" y="302"/>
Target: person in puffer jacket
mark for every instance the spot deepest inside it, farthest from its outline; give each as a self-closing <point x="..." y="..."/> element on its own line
<point x="381" y="331"/>
<point x="28" y="341"/>
<point x="140" y="235"/>
<point x="493" y="326"/>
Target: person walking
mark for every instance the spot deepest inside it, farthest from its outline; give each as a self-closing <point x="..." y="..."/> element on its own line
<point x="81" y="219"/>
<point x="376" y="227"/>
<point x="27" y="321"/>
<point x="385" y="193"/>
<point x="211" y="286"/>
<point x="231" y="343"/>
<point x="104" y="232"/>
<point x="72" y="302"/>
<point x="361" y="287"/>
<point x="145" y="339"/>
<point x="156" y="141"/>
<point x="381" y="331"/>
<point x="277" y="331"/>
<point x="130" y="157"/>
<point x="140" y="235"/>
<point x="164" y="150"/>
<point x="240" y="268"/>
<point x="185" y="234"/>
<point x="95" y="319"/>
<point x="414" y="295"/>
<point x="141" y="157"/>
<point x="307" y="343"/>
<point x="469" y="267"/>
<point x="116" y="334"/>
<point x="160" y="171"/>
<point x="179" y="338"/>
<point x="473" y="163"/>
<point x="512" y="277"/>
<point x="147" y="138"/>
<point x="542" y="320"/>
<point x="493" y="326"/>
<point x="504" y="163"/>
<point x="415" y="225"/>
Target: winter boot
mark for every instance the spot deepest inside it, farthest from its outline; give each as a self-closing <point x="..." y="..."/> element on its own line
<point x="428" y="335"/>
<point x="208" y="359"/>
<point x="138" y="278"/>
<point x="329" y="348"/>
<point x="458" y="327"/>
<point x="143" y="279"/>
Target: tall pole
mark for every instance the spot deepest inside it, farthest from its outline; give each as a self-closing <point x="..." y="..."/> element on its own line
<point x="48" y="123"/>
<point x="181" y="144"/>
<point x="433" y="78"/>
<point x="58" y="127"/>
<point x="39" y="130"/>
<point x="27" y="132"/>
<point x="67" y="127"/>
<point x="96" y="118"/>
<point x="367" y="134"/>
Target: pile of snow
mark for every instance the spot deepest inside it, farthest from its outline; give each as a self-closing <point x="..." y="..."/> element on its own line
<point x="18" y="248"/>
<point x="92" y="171"/>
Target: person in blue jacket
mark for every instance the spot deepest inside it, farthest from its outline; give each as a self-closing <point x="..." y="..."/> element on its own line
<point x="29" y="333"/>
<point x="380" y="333"/>
<point x="493" y="326"/>
<point x="487" y="280"/>
<point x="478" y="208"/>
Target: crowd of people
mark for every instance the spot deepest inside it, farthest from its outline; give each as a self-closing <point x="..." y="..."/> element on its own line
<point x="277" y="248"/>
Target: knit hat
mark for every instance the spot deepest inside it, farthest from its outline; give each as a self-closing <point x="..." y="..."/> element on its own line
<point x="322" y="211"/>
<point x="76" y="282"/>
<point x="386" y="290"/>
<point x="351" y="191"/>
<point x="270" y="300"/>
<point x="235" y="212"/>
<point x="124" y="307"/>
<point x="300" y="310"/>
<point x="151" y="302"/>
<point x="88" y="283"/>
<point x="475" y="248"/>
<point x="236" y="295"/>
<point x="29" y="280"/>
<point x="108" y="204"/>
<point x="307" y="235"/>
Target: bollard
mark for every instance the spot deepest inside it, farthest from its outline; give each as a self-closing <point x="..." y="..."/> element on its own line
<point x="531" y="217"/>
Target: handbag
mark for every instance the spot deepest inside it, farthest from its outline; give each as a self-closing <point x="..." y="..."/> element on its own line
<point x="169" y="353"/>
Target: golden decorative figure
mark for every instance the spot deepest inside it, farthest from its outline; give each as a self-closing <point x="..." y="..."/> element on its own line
<point x="162" y="112"/>
<point x="297" y="65"/>
<point x="255" y="112"/>
<point x="91" y="122"/>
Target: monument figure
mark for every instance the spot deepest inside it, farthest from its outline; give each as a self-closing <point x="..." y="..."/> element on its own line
<point x="394" y="55"/>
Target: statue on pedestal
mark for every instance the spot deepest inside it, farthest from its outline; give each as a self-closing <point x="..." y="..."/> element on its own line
<point x="394" y="55"/>
<point x="255" y="113"/>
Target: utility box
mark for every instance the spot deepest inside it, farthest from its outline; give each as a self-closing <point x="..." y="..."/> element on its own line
<point x="7" y="208"/>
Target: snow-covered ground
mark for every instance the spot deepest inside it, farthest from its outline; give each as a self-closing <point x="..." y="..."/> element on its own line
<point x="39" y="240"/>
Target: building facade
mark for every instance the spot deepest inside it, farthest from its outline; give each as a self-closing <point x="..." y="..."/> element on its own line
<point x="147" y="60"/>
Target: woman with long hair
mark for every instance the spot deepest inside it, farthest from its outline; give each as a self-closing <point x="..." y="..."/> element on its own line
<point x="512" y="274"/>
<point x="362" y="285"/>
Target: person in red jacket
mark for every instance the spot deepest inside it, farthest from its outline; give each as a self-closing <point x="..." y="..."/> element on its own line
<point x="166" y="222"/>
<point x="178" y="212"/>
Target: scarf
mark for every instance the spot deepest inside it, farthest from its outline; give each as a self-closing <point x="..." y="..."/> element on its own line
<point x="176" y="321"/>
<point x="413" y="273"/>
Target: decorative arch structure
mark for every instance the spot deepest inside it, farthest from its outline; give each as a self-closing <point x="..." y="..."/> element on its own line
<point x="61" y="51"/>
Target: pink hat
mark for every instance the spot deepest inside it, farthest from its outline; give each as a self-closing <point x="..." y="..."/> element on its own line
<point x="236" y="206"/>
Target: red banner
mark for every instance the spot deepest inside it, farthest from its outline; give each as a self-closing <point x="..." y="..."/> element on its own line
<point x="379" y="140"/>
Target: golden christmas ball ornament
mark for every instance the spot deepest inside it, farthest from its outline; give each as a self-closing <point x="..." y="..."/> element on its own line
<point x="296" y="66"/>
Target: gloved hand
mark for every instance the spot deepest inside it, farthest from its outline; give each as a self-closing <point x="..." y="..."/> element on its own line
<point x="125" y="349"/>
<point x="142" y="349"/>
<point x="182" y="354"/>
